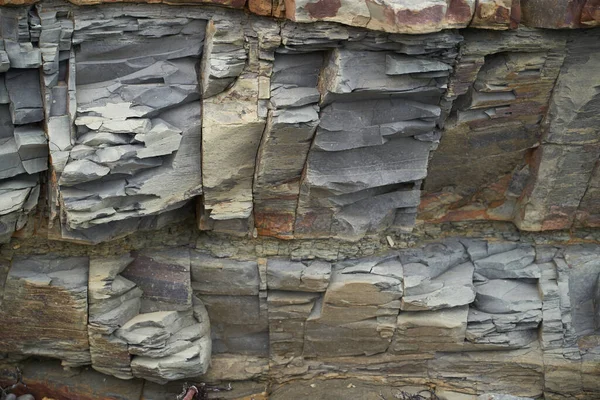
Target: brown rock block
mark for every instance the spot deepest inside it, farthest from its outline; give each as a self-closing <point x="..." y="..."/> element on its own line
<point x="261" y="7"/>
<point x="496" y="14"/>
<point x="165" y="279"/>
<point x="45" y="310"/>
<point x="590" y="14"/>
<point x="557" y="14"/>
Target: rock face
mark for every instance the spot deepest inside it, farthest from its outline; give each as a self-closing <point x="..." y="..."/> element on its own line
<point x="567" y="146"/>
<point x="133" y="152"/>
<point x="23" y="145"/>
<point x="529" y="310"/>
<point x="53" y="290"/>
<point x="308" y="198"/>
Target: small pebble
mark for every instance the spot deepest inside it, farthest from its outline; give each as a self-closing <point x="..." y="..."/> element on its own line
<point x="26" y="397"/>
<point x="11" y="397"/>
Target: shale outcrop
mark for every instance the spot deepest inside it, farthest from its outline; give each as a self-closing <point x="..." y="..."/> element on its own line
<point x="296" y="196"/>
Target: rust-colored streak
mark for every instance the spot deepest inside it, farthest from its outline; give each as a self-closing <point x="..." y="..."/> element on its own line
<point x="459" y="12"/>
<point x="515" y="14"/>
<point x="323" y="8"/>
<point x="590" y="14"/>
<point x="431" y="15"/>
<point x="279" y="225"/>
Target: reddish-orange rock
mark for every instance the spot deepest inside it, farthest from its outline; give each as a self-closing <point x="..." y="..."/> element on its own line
<point x="559" y="14"/>
<point x="261" y="7"/>
<point x="496" y="14"/>
<point x="389" y="16"/>
<point x="590" y="14"/>
<point x="275" y="224"/>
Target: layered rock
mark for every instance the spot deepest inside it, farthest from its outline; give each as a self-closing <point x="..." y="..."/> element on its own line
<point x="233" y="292"/>
<point x="377" y="126"/>
<point x="501" y="90"/>
<point x="291" y="125"/>
<point x="45" y="308"/>
<point x="236" y="116"/>
<point x="113" y="301"/>
<point x="169" y="345"/>
<point x="357" y="314"/>
<point x="388" y="16"/>
<point x="133" y="154"/>
<point x="565" y="163"/>
<point x="23" y="145"/>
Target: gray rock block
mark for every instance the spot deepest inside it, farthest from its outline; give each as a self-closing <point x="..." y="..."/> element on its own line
<point x="82" y="171"/>
<point x="451" y="289"/>
<point x="400" y="64"/>
<point x="285" y="97"/>
<point x="222" y="276"/>
<point x="312" y="276"/>
<point x="430" y="330"/>
<point x="31" y="142"/>
<point x="514" y="264"/>
<point x="10" y="162"/>
<point x="25" y="96"/>
<point x="22" y="55"/>
<point x="500" y="296"/>
<point x="398" y="161"/>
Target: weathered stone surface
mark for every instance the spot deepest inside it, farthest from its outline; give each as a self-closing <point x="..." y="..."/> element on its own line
<point x="136" y="108"/>
<point x="559" y="14"/>
<point x="239" y="324"/>
<point x="23" y="88"/>
<point x="518" y="372"/>
<point x="222" y="276"/>
<point x="46" y="378"/>
<point x="496" y="14"/>
<point x="495" y="117"/>
<point x="53" y="291"/>
<point x="164" y="278"/>
<point x="396" y="17"/>
<point x="450" y="289"/>
<point x="286" y="141"/>
<point x="231" y="132"/>
<point x="312" y="276"/>
<point x="424" y="331"/>
<point x="514" y="264"/>
<point x="288" y="312"/>
<point x="565" y="161"/>
<point x="506" y="296"/>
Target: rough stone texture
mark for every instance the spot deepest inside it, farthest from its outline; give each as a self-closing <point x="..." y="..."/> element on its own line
<point x="164" y="277"/>
<point x="223" y="276"/>
<point x="291" y="125"/>
<point x="502" y="88"/>
<point x="388" y="16"/>
<point x="379" y="155"/>
<point x="311" y="276"/>
<point x="133" y="153"/>
<point x="45" y="308"/>
<point x="563" y="166"/>
<point x="113" y="301"/>
<point x="560" y="14"/>
<point x="365" y="317"/>
<point x="323" y="134"/>
<point x="23" y="145"/>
